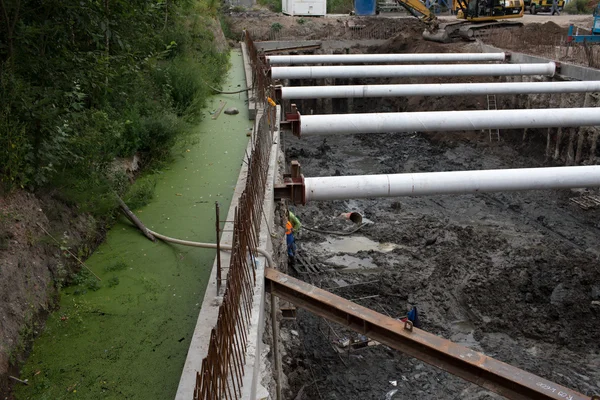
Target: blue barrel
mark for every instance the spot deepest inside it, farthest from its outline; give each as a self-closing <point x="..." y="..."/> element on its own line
<point x="365" y="7"/>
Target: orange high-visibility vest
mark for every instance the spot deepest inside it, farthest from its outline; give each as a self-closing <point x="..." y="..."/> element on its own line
<point x="288" y="228"/>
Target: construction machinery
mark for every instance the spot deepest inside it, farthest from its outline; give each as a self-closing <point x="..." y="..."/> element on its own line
<point x="536" y="6"/>
<point x="473" y="17"/>
<point x="574" y="37"/>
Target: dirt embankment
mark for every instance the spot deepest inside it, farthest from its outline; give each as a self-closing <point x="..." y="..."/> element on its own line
<point x="33" y="267"/>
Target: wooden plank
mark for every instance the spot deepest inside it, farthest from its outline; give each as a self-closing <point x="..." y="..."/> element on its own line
<point x="219" y="109"/>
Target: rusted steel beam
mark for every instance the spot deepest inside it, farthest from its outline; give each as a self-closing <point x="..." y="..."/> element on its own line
<point x="461" y="361"/>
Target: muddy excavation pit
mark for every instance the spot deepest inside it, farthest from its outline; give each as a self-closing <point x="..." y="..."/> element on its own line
<point x="513" y="275"/>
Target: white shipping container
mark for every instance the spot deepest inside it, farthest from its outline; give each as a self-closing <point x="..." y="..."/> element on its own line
<point x="304" y="7"/>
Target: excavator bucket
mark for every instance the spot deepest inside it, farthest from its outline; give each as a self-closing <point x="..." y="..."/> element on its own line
<point x="437" y="35"/>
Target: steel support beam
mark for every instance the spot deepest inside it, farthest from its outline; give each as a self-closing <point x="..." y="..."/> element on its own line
<point x="461" y="361"/>
<point x="452" y="182"/>
<point x="436" y="89"/>
<point x="384" y="58"/>
<point x="443" y="121"/>
<point x="301" y="190"/>
<point x="398" y="71"/>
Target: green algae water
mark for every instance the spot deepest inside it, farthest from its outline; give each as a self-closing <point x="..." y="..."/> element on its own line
<point x="129" y="338"/>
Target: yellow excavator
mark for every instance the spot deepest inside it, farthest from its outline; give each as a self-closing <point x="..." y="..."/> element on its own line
<point x="473" y="17"/>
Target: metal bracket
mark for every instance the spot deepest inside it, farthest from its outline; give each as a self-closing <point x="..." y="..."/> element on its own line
<point x="277" y="92"/>
<point x="293" y="186"/>
<point x="292" y="121"/>
<point x="408" y="325"/>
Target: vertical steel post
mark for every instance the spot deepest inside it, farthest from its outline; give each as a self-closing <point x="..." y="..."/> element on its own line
<point x="217" y="225"/>
<point x="276" y="358"/>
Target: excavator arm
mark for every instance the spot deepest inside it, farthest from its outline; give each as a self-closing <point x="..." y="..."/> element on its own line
<point x="419" y="10"/>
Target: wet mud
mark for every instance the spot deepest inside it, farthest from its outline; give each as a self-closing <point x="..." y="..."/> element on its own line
<point x="513" y="275"/>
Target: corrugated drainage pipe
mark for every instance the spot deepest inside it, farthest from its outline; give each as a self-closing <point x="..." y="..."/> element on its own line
<point x="383" y="58"/>
<point x="396" y="71"/>
<point x="436" y="89"/>
<point x="441" y="121"/>
<point x="458" y="182"/>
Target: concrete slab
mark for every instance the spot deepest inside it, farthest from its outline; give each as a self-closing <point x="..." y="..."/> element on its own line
<point x="252" y="105"/>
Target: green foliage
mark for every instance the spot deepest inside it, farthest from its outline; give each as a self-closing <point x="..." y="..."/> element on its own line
<point x="340" y="6"/>
<point x="84" y="281"/>
<point x="301" y="21"/>
<point x="81" y="85"/>
<point x="141" y="192"/>
<point x="578" y="7"/>
<point x="276" y="27"/>
<point x="91" y="193"/>
<point x="273" y="5"/>
<point x="226" y="26"/>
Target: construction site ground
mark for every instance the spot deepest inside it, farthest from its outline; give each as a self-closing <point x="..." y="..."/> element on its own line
<point x="541" y="34"/>
<point x="513" y="275"/>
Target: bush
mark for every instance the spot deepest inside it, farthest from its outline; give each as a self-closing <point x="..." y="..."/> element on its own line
<point x="14" y="149"/>
<point x="140" y="193"/>
<point x="340" y="6"/>
<point x="273" y="5"/>
<point x="70" y="107"/>
<point x="579" y="7"/>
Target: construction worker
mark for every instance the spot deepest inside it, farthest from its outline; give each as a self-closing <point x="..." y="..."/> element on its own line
<point x="292" y="227"/>
<point x="555" y="7"/>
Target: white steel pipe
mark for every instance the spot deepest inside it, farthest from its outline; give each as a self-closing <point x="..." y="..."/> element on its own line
<point x="384" y="58"/>
<point x="440" y="121"/>
<point x="436" y="89"/>
<point x="459" y="182"/>
<point x="396" y="71"/>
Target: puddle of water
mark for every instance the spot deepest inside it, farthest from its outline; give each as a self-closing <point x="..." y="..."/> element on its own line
<point x="351" y="263"/>
<point x="463" y="334"/>
<point x="353" y="244"/>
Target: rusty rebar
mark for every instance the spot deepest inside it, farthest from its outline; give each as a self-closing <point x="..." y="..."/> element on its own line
<point x="223" y="367"/>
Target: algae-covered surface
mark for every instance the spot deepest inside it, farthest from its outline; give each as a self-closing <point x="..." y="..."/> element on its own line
<point x="129" y="338"/>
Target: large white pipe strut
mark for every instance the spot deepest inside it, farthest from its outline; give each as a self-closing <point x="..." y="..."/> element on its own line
<point x="460" y="182"/>
<point x="384" y="58"/>
<point x="440" y="121"/>
<point x="396" y="71"/>
<point x="436" y="89"/>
